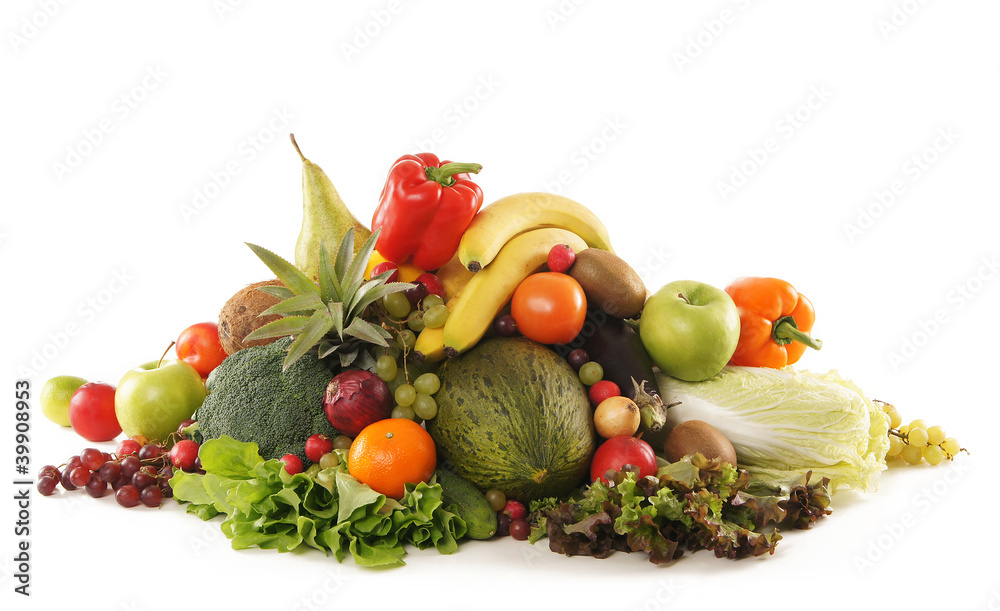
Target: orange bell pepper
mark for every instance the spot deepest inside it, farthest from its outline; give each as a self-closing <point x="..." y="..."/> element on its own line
<point x="775" y="321"/>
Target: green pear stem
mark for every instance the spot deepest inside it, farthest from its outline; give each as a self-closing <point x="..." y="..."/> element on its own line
<point x="297" y="149"/>
<point x="160" y="362"/>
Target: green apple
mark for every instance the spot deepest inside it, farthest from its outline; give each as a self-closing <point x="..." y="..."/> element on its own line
<point x="55" y="395"/>
<point x="690" y="329"/>
<point x="153" y="399"/>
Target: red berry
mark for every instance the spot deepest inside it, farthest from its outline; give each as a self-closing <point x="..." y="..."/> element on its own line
<point x="520" y="529"/>
<point x="127" y="496"/>
<point x="416" y="292"/>
<point x="183" y="453"/>
<point x="505" y="325"/>
<point x="432" y="282"/>
<point x="79" y="477"/>
<point x="293" y="464"/>
<point x="503" y="524"/>
<point x="386" y="266"/>
<point x="92" y="459"/>
<point x="515" y="509"/>
<point x="578" y="358"/>
<point x="561" y="258"/>
<point x="128" y="447"/>
<point x="317" y="445"/>
<point x="602" y="390"/>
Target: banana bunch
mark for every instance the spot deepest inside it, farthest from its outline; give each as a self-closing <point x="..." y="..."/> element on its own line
<point x="506" y="242"/>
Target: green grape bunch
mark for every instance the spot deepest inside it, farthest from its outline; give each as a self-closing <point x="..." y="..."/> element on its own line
<point x="916" y="442"/>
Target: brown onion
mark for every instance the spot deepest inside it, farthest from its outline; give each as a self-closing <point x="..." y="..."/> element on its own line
<point x="616" y="416"/>
<point x="356" y="398"/>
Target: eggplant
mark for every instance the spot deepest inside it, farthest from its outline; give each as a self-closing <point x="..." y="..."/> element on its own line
<point x="614" y="344"/>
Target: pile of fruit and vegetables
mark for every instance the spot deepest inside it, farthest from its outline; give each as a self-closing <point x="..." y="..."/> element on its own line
<point x="468" y="371"/>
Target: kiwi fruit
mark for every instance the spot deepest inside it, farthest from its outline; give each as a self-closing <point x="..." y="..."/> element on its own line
<point x="609" y="282"/>
<point x="693" y="436"/>
<point x="240" y="316"/>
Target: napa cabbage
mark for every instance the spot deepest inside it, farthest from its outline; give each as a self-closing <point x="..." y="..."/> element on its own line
<point x="786" y="422"/>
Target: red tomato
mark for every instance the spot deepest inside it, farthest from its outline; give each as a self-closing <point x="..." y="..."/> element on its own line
<point x="199" y="346"/>
<point x="617" y="452"/>
<point x="549" y="308"/>
<point x="92" y="412"/>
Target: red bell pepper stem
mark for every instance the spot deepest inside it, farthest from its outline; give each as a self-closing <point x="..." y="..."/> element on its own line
<point x="786" y="331"/>
<point x="444" y="175"/>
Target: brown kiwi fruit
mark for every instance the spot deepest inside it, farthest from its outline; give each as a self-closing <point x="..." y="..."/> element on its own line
<point x="240" y="316"/>
<point x="609" y="282"/>
<point x="693" y="436"/>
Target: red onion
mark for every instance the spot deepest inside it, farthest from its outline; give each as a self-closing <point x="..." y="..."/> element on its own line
<point x="356" y="398"/>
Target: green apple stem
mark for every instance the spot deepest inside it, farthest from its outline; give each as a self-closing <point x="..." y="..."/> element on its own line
<point x="683" y="298"/>
<point x="786" y="331"/>
<point x="160" y="362"/>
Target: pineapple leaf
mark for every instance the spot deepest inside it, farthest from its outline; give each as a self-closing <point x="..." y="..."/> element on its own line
<point x="327" y="347"/>
<point x="355" y="273"/>
<point x="337" y="312"/>
<point x="307" y="302"/>
<point x="313" y="332"/>
<point x="293" y="278"/>
<point x="365" y="331"/>
<point x="281" y="292"/>
<point x="329" y="283"/>
<point x="344" y="255"/>
<point x="347" y="358"/>
<point x="289" y="325"/>
<point x="372" y="291"/>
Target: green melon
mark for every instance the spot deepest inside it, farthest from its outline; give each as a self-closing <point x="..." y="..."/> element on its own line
<point x="514" y="416"/>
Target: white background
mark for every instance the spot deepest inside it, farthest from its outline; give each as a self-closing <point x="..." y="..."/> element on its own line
<point x="645" y="112"/>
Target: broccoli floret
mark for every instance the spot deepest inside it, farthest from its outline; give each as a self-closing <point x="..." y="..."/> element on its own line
<point x="251" y="399"/>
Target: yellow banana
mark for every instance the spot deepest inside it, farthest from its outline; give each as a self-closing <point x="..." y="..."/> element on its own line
<point x="509" y="216"/>
<point x="490" y="289"/>
<point x="430" y="342"/>
<point x="430" y="345"/>
<point x="453" y="276"/>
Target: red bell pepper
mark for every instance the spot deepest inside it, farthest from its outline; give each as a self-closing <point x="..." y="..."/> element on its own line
<point x="424" y="209"/>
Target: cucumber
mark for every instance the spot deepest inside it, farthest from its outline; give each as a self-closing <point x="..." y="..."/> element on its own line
<point x="469" y="503"/>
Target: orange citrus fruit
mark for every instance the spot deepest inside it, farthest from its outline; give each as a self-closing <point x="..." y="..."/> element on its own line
<point x="392" y="452"/>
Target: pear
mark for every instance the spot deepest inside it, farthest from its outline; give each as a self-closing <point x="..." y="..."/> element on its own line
<point x="325" y="217"/>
